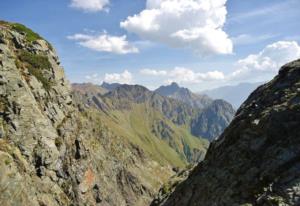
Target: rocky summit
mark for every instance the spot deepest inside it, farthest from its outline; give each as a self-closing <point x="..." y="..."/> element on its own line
<point x="256" y="160"/>
<point x="184" y="95"/>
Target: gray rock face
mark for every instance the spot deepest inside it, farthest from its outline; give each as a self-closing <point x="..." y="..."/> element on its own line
<point x="256" y="160"/>
<point x="52" y="153"/>
<point x="213" y="120"/>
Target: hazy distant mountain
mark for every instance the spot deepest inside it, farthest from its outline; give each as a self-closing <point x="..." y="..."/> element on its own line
<point x="89" y="88"/>
<point x="110" y="86"/>
<point x="236" y="94"/>
<point x="185" y="95"/>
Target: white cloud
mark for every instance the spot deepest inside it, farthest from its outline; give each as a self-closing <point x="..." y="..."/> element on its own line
<point x="105" y="43"/>
<point x="122" y="78"/>
<point x="193" y="24"/>
<point x="153" y="72"/>
<point x="90" y="5"/>
<point x="244" y="39"/>
<point x="93" y="78"/>
<point x="255" y="67"/>
<point x="184" y="75"/>
<point x="267" y="62"/>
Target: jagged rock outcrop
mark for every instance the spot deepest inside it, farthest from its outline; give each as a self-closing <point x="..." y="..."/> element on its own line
<point x="53" y="150"/>
<point x="256" y="160"/>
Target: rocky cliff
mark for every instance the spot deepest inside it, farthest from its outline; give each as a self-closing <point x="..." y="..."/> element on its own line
<point x="256" y="160"/>
<point x="54" y="151"/>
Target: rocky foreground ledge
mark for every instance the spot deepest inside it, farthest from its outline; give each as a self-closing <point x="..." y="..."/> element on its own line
<point x="256" y="161"/>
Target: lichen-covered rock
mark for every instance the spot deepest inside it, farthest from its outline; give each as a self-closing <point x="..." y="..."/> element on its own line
<point x="256" y="160"/>
<point x="52" y="153"/>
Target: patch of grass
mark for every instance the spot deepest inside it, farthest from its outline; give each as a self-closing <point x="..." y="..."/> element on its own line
<point x="136" y="125"/>
<point x="35" y="64"/>
<point x="47" y="84"/>
<point x="35" y="60"/>
<point x="4" y="23"/>
<point x="58" y="142"/>
<point x="7" y="161"/>
<point x="30" y="35"/>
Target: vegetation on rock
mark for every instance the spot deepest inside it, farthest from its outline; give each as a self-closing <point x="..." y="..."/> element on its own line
<point x="35" y="64"/>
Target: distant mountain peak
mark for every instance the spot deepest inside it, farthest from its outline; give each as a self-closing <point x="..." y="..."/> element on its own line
<point x="110" y="86"/>
<point x="184" y="95"/>
<point x="174" y="84"/>
<point x="168" y="89"/>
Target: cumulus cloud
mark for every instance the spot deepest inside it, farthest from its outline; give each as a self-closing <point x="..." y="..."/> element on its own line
<point x="193" y="24"/>
<point x="90" y="5"/>
<point x="184" y="75"/>
<point x="122" y="78"/>
<point x="255" y="67"/>
<point x="266" y="62"/>
<point x="105" y="43"/>
<point x="153" y="72"/>
<point x="93" y="78"/>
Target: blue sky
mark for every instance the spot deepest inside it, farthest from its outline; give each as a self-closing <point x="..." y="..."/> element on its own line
<point x="264" y="34"/>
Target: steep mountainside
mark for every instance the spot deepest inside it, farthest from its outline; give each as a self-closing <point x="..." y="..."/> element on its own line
<point x="213" y="120"/>
<point x="185" y="95"/>
<point x="55" y="151"/>
<point x="256" y="160"/>
<point x="159" y="125"/>
<point x="235" y="95"/>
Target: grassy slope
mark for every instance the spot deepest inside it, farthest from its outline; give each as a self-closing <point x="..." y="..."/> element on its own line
<point x="136" y="124"/>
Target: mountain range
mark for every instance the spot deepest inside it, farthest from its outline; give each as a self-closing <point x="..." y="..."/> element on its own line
<point x="177" y="131"/>
<point x="234" y="94"/>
